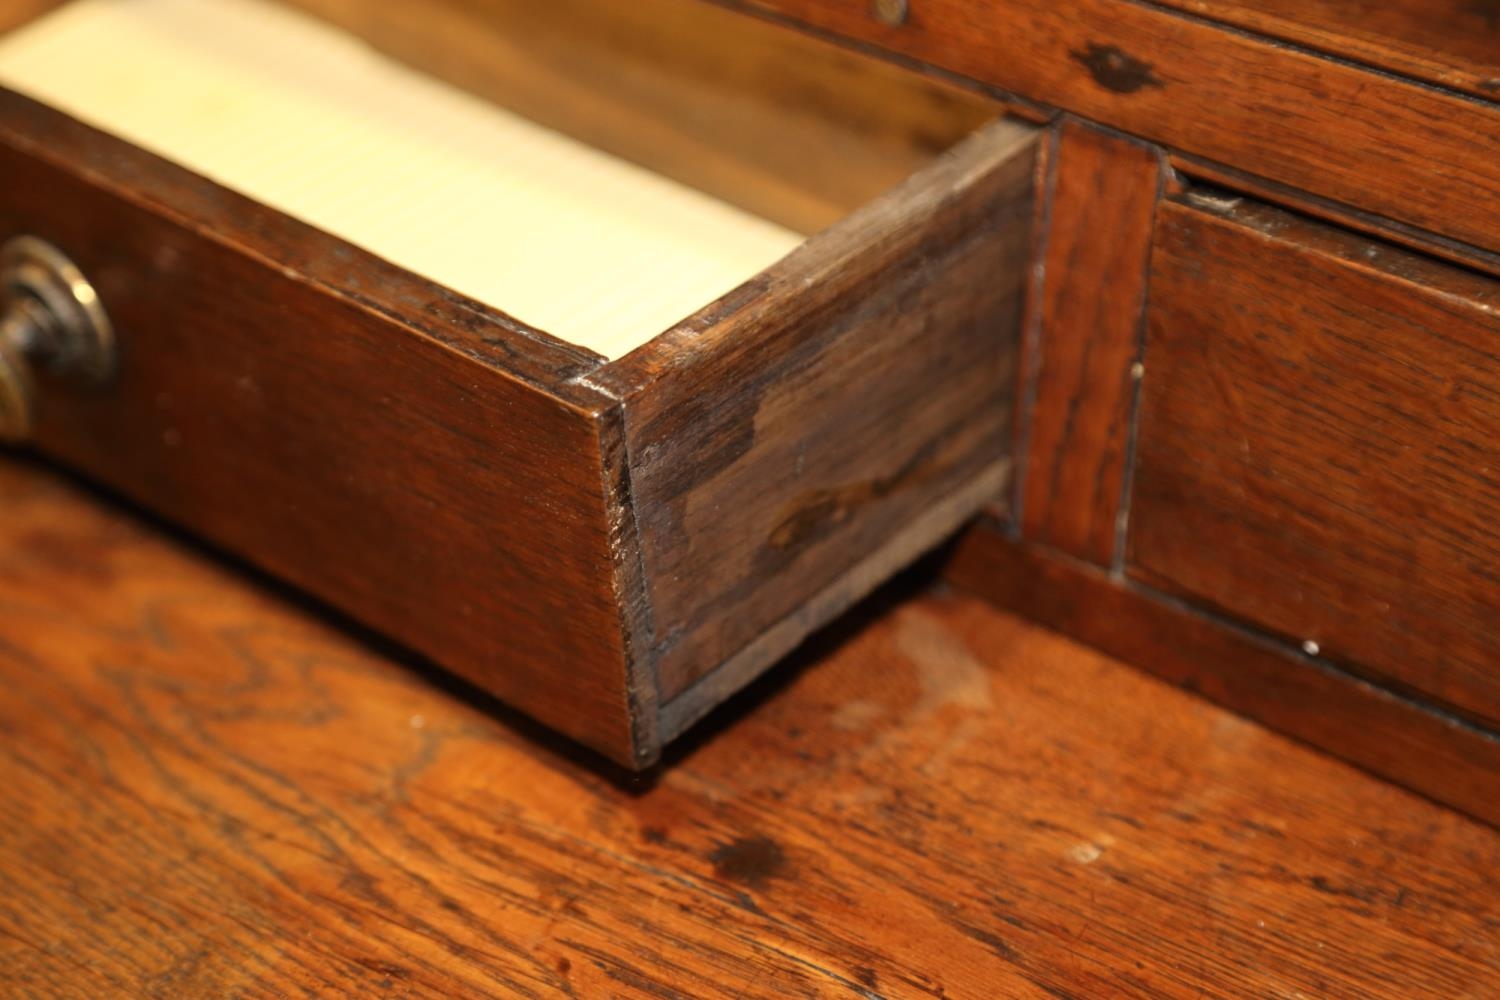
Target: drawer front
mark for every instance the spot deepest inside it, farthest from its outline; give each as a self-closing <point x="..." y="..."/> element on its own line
<point x="337" y="421"/>
<point x="1319" y="447"/>
<point x="612" y="548"/>
<point x="1358" y="136"/>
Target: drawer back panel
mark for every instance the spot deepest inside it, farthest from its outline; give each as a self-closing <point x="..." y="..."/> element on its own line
<point x="783" y="125"/>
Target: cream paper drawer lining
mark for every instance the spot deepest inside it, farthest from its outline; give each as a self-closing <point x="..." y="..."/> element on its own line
<point x="305" y="119"/>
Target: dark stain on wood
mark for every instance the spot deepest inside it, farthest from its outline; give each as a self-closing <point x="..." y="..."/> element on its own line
<point x="1348" y="890"/>
<point x="820" y="512"/>
<point x="1115" y="69"/>
<point x="990" y="940"/>
<point x="1488" y="10"/>
<point x="388" y="970"/>
<point x="751" y="861"/>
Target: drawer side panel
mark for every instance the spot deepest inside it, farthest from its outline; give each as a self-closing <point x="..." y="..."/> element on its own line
<point x="798" y="442"/>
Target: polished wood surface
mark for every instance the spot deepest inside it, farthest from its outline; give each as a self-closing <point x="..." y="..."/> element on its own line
<point x="17" y="12"/>
<point x="1390" y="146"/>
<point x="1453" y="43"/>
<point x="205" y="792"/>
<point x="1260" y="677"/>
<point x="1317" y="451"/>
<point x="809" y="435"/>
<point x="1081" y="351"/>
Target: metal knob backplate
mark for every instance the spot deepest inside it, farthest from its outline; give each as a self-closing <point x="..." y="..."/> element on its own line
<point x="52" y="320"/>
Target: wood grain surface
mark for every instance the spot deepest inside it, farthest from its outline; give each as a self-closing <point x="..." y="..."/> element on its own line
<point x="1317" y="450"/>
<point x="1390" y="146"/>
<point x="1089" y="305"/>
<point x="813" y="418"/>
<point x="205" y="792"/>
<point x="1453" y="43"/>
<point x="1254" y="675"/>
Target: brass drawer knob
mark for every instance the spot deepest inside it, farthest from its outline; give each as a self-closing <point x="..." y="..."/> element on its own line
<point x="53" y="320"/>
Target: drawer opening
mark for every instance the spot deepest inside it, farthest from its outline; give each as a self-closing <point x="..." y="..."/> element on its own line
<point x="597" y="170"/>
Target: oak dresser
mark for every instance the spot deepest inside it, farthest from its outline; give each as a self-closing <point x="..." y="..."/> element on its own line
<point x="602" y="352"/>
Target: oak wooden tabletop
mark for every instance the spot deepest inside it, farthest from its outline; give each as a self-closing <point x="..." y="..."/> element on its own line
<point x="207" y="791"/>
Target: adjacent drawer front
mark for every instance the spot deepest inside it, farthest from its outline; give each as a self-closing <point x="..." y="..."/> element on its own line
<point x="1319" y="447"/>
<point x="1333" y="128"/>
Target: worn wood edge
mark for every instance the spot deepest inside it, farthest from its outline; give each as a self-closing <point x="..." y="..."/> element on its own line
<point x="632" y="598"/>
<point x="1168" y="183"/>
<point x="1361" y="49"/>
<point x="1028" y="362"/>
<point x="1420" y="273"/>
<point x="718" y="328"/>
<point x="921" y="534"/>
<point x="423" y="308"/>
<point x="1396" y="738"/>
<point x="1199" y="171"/>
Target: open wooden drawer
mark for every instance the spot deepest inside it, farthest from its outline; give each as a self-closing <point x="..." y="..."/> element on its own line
<point x="611" y="531"/>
